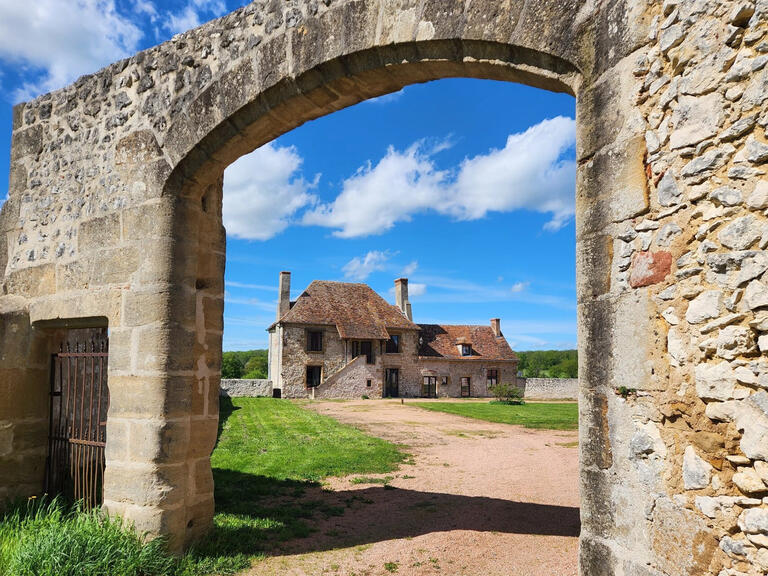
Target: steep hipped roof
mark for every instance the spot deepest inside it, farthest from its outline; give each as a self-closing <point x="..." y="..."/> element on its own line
<point x="442" y="341"/>
<point x="355" y="309"/>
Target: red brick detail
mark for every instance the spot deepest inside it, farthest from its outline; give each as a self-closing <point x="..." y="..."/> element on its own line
<point x="649" y="268"/>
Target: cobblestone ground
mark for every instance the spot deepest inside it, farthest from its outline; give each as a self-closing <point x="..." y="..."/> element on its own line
<point x="478" y="499"/>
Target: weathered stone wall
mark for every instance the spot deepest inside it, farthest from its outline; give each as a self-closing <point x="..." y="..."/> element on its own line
<point x="695" y="258"/>
<point x="549" y="388"/>
<point x="253" y="388"/>
<point x="352" y="381"/>
<point x="295" y="358"/>
<point x="476" y="371"/>
<point x="114" y="211"/>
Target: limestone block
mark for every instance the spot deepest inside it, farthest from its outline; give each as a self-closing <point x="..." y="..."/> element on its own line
<point x="158" y="441"/>
<point x="761" y="467"/>
<point x="741" y="233"/>
<point x="696" y="471"/>
<point x="696" y="118"/>
<point x="754" y="521"/>
<point x="668" y="191"/>
<point x="149" y="396"/>
<point x="99" y="232"/>
<point x="202" y="437"/>
<point x="158" y="349"/>
<point x="726" y="196"/>
<point x="35" y="281"/>
<point x="756" y="295"/>
<point x="715" y="381"/>
<point x="705" y="306"/>
<point x="677" y="347"/>
<point x="748" y="481"/>
<point x="751" y="418"/>
<point x="733" y="341"/>
<point x="758" y="199"/>
<point x="146" y="484"/>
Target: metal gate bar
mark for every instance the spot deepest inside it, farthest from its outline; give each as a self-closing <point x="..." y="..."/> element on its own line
<point x="78" y="412"/>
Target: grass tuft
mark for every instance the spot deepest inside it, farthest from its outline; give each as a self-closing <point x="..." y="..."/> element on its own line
<point x="42" y="536"/>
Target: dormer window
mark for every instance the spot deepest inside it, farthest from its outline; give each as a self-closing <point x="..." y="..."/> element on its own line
<point x="466" y="349"/>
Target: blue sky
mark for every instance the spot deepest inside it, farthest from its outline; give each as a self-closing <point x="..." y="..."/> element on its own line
<point x="464" y="186"/>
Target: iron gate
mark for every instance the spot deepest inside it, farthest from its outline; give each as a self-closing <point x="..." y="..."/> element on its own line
<point x="78" y="422"/>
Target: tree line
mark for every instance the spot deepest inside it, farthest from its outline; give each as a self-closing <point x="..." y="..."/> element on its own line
<point x="549" y="364"/>
<point x="249" y="364"/>
<point x="252" y="364"/>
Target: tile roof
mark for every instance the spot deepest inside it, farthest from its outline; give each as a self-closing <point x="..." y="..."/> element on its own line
<point x="442" y="340"/>
<point x="355" y="309"/>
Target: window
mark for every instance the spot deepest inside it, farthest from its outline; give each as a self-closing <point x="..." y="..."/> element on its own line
<point x="465" y="387"/>
<point x="314" y="374"/>
<point x="429" y="387"/>
<point x="393" y="344"/>
<point x="368" y="383"/>
<point x="444" y="383"/>
<point x="366" y="349"/>
<point x="466" y="349"/>
<point x="314" y="341"/>
<point x="491" y="378"/>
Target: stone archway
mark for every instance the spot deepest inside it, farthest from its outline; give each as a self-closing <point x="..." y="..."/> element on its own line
<point x="114" y="211"/>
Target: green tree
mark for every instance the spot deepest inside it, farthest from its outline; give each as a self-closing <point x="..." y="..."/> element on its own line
<point x="549" y="363"/>
<point x="231" y="366"/>
<point x="257" y="365"/>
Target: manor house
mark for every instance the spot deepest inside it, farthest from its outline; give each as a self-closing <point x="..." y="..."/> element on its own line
<point x="343" y="340"/>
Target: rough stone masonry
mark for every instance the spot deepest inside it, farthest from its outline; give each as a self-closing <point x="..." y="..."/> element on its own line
<point x="114" y="219"/>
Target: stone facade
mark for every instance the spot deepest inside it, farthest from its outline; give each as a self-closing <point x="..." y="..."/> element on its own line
<point x="327" y="310"/>
<point x="114" y="215"/>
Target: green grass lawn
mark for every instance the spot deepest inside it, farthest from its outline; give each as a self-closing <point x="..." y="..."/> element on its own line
<point x="268" y="465"/>
<point x="543" y="416"/>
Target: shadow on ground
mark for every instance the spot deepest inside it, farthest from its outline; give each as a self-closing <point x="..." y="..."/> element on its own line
<point x="261" y="515"/>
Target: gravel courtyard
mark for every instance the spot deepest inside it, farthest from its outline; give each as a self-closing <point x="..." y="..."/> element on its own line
<point x="478" y="498"/>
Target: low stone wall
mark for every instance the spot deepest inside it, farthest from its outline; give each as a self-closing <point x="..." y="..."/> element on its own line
<point x="550" y="388"/>
<point x="246" y="388"/>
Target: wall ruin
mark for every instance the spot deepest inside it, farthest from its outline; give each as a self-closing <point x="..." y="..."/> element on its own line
<point x="114" y="211"/>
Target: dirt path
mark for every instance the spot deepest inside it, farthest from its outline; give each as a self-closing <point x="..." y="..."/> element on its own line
<point x="479" y="499"/>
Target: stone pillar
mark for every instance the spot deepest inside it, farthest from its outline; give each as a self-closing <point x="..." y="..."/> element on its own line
<point x="23" y="403"/>
<point x="611" y="189"/>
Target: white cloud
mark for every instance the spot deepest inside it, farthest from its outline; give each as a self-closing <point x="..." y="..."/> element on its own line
<point x="519" y="287"/>
<point x="410" y="268"/>
<point x="185" y="20"/>
<point x="145" y="7"/>
<point x="387" y="98"/>
<point x="375" y="198"/>
<point x="360" y="268"/>
<point x="194" y="13"/>
<point x="63" y="39"/>
<point x="263" y="191"/>
<point x="527" y="174"/>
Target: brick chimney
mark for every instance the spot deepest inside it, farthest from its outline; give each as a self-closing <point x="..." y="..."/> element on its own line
<point x="496" y="326"/>
<point x="284" y="302"/>
<point x="401" y="297"/>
